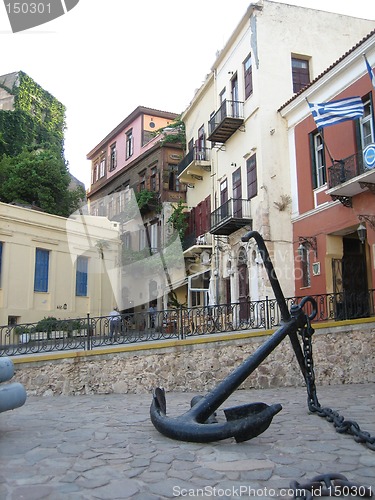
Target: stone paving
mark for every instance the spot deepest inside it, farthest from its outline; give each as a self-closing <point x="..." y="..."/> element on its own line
<point x="105" y="447"/>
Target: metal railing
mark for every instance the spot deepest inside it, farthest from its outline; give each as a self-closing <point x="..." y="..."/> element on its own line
<point x="346" y="169"/>
<point x="196" y="154"/>
<point x="228" y="109"/>
<point x="50" y="334"/>
<point x="233" y="208"/>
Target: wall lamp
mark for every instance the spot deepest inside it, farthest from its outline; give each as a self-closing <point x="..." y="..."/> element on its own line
<point x="308" y="242"/>
<point x="361" y="231"/>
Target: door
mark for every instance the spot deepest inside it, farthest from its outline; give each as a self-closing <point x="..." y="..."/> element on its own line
<point x="243" y="286"/>
<point x="235" y="103"/>
<point x="350" y="281"/>
<point x="224" y="199"/>
<point x="237" y="194"/>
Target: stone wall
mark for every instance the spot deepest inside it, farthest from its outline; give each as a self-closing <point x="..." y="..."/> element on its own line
<point x="342" y="354"/>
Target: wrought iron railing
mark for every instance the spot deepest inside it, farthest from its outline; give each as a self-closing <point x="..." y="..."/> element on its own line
<point x="228" y="109"/>
<point x="233" y="208"/>
<point x="346" y="169"/>
<point x="197" y="153"/>
<point x="89" y="333"/>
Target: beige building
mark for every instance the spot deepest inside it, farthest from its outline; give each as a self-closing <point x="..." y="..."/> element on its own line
<point x="237" y="163"/>
<point x="52" y="266"/>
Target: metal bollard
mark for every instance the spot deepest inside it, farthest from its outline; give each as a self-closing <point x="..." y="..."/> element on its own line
<point x="11" y="395"/>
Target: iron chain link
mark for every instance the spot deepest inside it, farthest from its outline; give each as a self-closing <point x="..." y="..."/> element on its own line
<point x="341" y="425"/>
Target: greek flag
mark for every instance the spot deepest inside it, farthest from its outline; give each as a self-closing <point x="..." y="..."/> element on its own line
<point x="330" y="113"/>
<point x="370" y="71"/>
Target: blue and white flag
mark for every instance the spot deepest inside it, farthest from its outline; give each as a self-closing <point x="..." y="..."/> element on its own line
<point x="330" y="113"/>
<point x="370" y="71"/>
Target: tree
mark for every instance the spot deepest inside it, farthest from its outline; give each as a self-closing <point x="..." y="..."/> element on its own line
<point x="40" y="178"/>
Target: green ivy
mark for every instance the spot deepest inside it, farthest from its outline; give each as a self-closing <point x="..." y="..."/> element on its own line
<point x="178" y="219"/>
<point x="37" y="120"/>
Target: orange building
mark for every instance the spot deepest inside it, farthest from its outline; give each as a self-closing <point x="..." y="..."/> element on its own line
<point x="333" y="188"/>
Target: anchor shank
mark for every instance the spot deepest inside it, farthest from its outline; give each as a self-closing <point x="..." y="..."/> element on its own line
<point x="211" y="402"/>
<point x="279" y="296"/>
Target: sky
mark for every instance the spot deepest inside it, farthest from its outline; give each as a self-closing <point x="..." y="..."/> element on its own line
<point x="104" y="58"/>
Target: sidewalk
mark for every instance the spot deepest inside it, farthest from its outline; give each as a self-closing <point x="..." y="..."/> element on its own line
<point x="105" y="447"/>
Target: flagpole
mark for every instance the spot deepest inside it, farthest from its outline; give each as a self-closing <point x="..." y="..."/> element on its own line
<point x="320" y="130"/>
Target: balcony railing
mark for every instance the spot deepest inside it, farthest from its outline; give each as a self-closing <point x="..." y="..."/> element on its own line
<point x="232" y="215"/>
<point x="346" y="176"/>
<point x="227" y="119"/>
<point x="195" y="239"/>
<point x="196" y="157"/>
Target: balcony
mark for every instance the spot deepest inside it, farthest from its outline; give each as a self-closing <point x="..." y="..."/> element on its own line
<point x="193" y="165"/>
<point x="350" y="176"/>
<point x="231" y="216"/>
<point x="225" y="121"/>
<point x="193" y="245"/>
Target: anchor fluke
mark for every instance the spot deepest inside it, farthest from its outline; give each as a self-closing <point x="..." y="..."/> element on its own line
<point x="243" y="422"/>
<point x="261" y="416"/>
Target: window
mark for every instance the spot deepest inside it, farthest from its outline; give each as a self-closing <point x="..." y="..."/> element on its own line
<point x="142" y="181"/>
<point x="129" y="144"/>
<point x="81" y="276"/>
<point x="367" y="124"/>
<point x="153" y="179"/>
<point x="173" y="183"/>
<point x="234" y="95"/>
<point x="126" y="240"/>
<point x="222" y="96"/>
<point x="300" y="74"/>
<point x="154" y="240"/>
<point x="113" y="158"/>
<point x="41" y="270"/>
<point x="318" y="160"/>
<point x="248" y="76"/>
<point x="142" y="238"/>
<point x="252" y="185"/>
<point x="102" y="168"/>
<point x="1" y="259"/>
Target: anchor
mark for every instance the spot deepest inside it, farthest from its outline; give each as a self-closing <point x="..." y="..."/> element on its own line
<point x="246" y="421"/>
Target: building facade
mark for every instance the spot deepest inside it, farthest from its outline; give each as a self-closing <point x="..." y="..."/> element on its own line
<point x="333" y="185"/>
<point x="236" y="165"/>
<point x="56" y="267"/>
<point x="135" y="182"/>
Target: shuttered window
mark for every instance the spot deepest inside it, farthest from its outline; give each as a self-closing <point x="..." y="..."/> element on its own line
<point x="41" y="270"/>
<point x="81" y="276"/>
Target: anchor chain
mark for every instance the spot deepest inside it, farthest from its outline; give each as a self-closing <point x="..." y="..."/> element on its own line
<point x="329" y="485"/>
<point x="341" y="425"/>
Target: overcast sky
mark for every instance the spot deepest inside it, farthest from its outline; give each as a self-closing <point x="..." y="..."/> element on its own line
<point x="106" y="57"/>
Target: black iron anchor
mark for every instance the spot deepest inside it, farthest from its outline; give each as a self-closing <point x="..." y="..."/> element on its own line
<point x="246" y="421"/>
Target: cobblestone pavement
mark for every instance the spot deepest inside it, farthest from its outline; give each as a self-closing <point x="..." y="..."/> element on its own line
<point x="105" y="447"/>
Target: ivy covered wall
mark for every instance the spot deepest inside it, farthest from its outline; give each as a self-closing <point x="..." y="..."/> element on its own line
<point x="37" y="118"/>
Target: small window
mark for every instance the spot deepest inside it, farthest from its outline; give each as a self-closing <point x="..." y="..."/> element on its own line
<point x="173" y="183"/>
<point x="367" y="123"/>
<point x="300" y="74"/>
<point x="319" y="173"/>
<point x="142" y="181"/>
<point x="41" y="270"/>
<point x="129" y="144"/>
<point x="153" y="179"/>
<point x="113" y="158"/>
<point x="81" y="276"/>
<point x="248" y="76"/>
